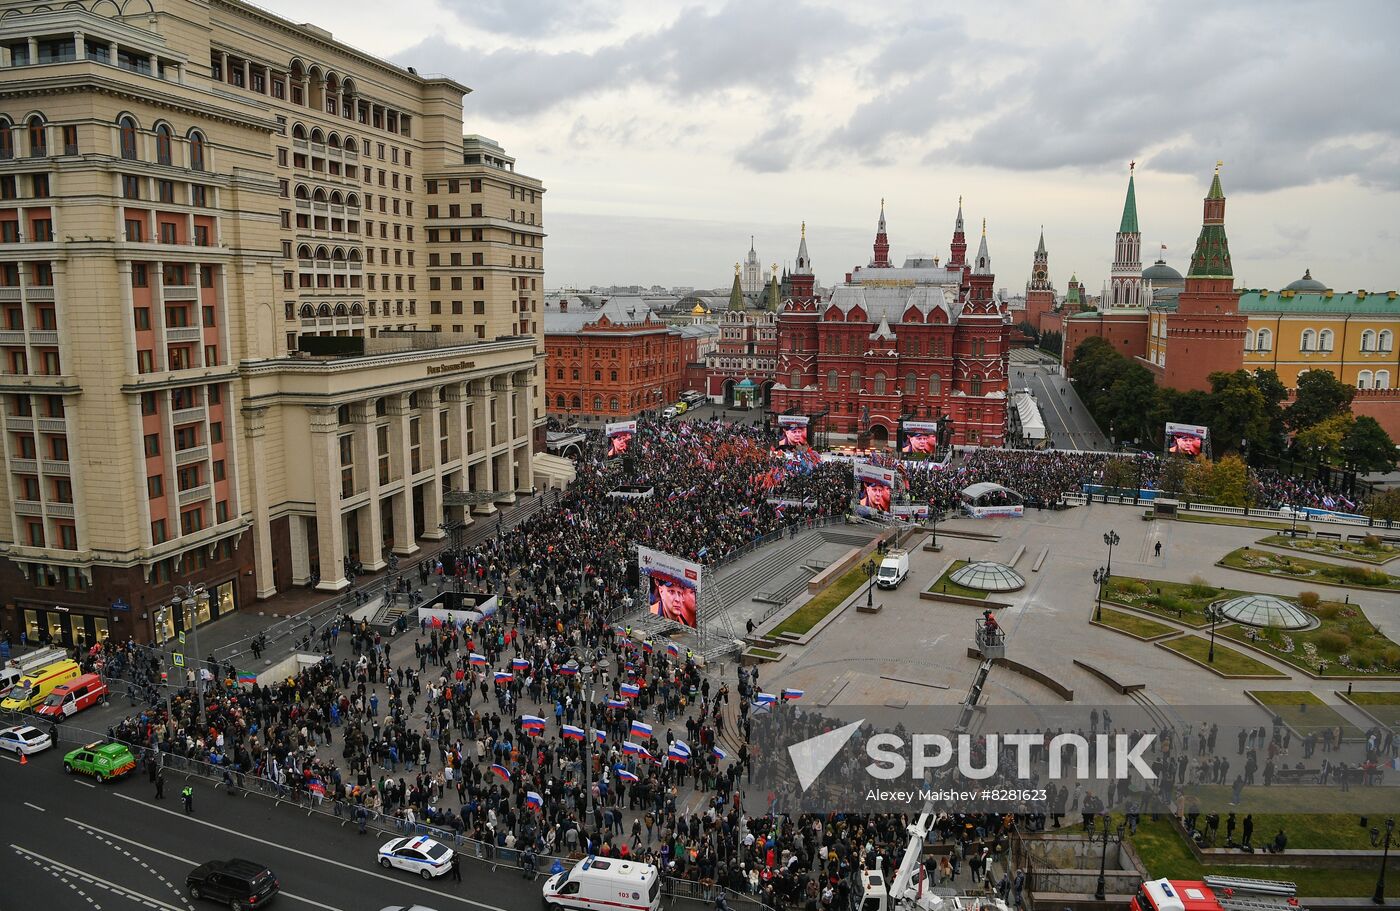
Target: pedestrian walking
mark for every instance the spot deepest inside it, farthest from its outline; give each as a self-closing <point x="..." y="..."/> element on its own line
<point x="160" y="784"/>
<point x="187" y="795"/>
<point x="456" y="867"/>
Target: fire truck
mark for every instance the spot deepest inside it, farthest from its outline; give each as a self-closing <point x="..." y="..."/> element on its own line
<point x="1216" y="893"/>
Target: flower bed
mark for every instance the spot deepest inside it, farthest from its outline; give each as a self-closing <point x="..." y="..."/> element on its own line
<point x="1367" y="550"/>
<point x="1184" y="602"/>
<point x="1344" y="644"/>
<point x="1268" y="563"/>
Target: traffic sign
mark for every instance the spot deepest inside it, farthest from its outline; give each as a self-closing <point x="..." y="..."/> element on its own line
<point x="182" y="637"/>
<point x="179" y="659"/>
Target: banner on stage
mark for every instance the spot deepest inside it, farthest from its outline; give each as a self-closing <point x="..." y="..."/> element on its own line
<point x="674" y="585"/>
<point x="620" y="436"/>
<point x="874" y="488"/>
<point x="792" y="431"/>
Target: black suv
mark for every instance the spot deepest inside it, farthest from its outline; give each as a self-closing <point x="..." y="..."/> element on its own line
<point x="237" y="884"/>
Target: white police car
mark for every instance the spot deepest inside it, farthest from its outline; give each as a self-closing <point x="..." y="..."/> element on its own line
<point x="417" y="854"/>
<point x="24" y="739"/>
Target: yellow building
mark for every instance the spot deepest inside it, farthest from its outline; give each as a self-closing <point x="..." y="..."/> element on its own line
<point x="189" y="189"/>
<point x="1308" y="326"/>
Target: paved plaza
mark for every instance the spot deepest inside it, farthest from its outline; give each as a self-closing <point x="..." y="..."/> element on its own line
<point x="915" y="650"/>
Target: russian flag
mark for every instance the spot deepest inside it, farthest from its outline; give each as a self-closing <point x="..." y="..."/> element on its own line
<point x="679" y="752"/>
<point x="647" y="646"/>
<point x="478" y="660"/>
<point x="520" y="664"/>
<point x="569" y="732"/>
<point x="636" y="749"/>
<point x="504" y="676"/>
<point x="534" y="800"/>
<point x="600" y="736"/>
<point x="718" y="753"/>
<point x="620" y="630"/>
<point x="631" y="690"/>
<point x="641" y="729"/>
<point x="532" y="723"/>
<point x="616" y="704"/>
<point x="746" y="511"/>
<point x="624" y="775"/>
<point x="789" y="695"/>
<point x="764" y="699"/>
<point x="673" y="649"/>
<point x="501" y="771"/>
<point x="568" y="670"/>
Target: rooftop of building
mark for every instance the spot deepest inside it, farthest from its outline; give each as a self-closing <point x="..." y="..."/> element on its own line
<point x="575" y="314"/>
<point x="1323" y="302"/>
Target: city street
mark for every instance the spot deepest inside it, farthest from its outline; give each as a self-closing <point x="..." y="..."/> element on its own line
<point x="73" y="844"/>
<point x="1067" y="422"/>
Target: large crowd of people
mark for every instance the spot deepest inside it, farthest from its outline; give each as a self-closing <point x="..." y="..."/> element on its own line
<point x="546" y="727"/>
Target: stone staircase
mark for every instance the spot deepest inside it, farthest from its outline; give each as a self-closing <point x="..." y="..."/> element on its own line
<point x="737" y="585"/>
<point x="787" y="591"/>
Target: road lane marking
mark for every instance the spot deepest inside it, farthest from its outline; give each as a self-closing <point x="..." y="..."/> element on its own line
<point x="397" y="881"/>
<point x="86" y="784"/>
<point x="35" y="806"/>
<point x="96" y="880"/>
<point x="184" y="860"/>
<point x="104" y="837"/>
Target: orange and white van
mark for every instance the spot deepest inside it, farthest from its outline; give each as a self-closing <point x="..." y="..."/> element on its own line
<point x="72" y="697"/>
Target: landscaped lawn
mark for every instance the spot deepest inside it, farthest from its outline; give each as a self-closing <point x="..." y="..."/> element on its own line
<point x="1384" y="706"/>
<point x="767" y="653"/>
<point x="1165" y="855"/>
<point x="943" y="586"/>
<point x="1345" y="644"/>
<point x="1367" y="550"/>
<point x="1227" y="660"/>
<point x="1304" y="712"/>
<point x="1268" y="563"/>
<point x="1237" y="520"/>
<point x="1185" y="602"/>
<point x="827" y="600"/>
<point x="1133" y="624"/>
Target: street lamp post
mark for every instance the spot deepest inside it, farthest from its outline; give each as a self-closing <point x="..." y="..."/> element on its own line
<point x="870" y="583"/>
<point x="1293" y="530"/>
<point x="1111" y="538"/>
<point x="1100" y="891"/>
<point x="1100" y="577"/>
<point x="935" y="514"/>
<point x="1379" y="897"/>
<point x="188" y="599"/>
<point x="1213" y="615"/>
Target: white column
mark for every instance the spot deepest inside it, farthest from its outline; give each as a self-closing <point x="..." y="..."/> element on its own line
<point x="367" y="467"/>
<point x="482" y="473"/>
<point x="254" y="428"/>
<point x="325" y="482"/>
<point x="399" y="411"/>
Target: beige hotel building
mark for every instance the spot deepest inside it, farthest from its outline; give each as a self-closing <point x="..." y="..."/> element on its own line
<point x="189" y="190"/>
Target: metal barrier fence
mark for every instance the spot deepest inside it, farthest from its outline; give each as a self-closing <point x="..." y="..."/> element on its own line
<point x="328" y="809"/>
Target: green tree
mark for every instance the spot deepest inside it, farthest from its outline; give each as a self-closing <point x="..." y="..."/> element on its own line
<point x="1367" y="447"/>
<point x="1052" y="342"/>
<point x="1120" y="475"/>
<point x="1275" y="394"/>
<point x="1129" y="401"/>
<point x="1320" y="396"/>
<point x="1028" y="330"/>
<point x="1173" y="476"/>
<point x="1229" y="482"/>
<point x="1323" y="440"/>
<point x="1238" y="411"/>
<point x="1385" y="506"/>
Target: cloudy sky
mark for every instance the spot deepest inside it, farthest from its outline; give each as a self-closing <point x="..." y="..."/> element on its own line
<point x="668" y="132"/>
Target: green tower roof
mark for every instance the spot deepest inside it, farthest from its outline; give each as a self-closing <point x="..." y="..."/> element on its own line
<point x="736" y="293"/>
<point x="1130" y="221"/>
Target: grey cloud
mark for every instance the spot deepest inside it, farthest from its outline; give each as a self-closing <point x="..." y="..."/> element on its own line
<point x="1247" y="83"/>
<point x="700" y="52"/>
<point x="533" y="17"/>
<point x="772" y="150"/>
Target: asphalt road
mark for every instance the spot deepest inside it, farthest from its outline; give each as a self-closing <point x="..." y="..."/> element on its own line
<point x="1067" y="421"/>
<point x="72" y="845"/>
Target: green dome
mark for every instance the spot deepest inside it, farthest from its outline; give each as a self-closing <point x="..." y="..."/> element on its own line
<point x="1161" y="274"/>
<point x="1306" y="283"/>
<point x="988" y="577"/>
<point x="1265" y="611"/>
